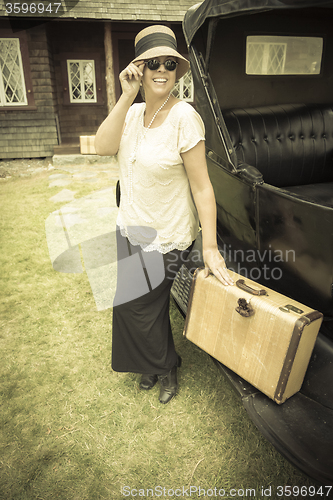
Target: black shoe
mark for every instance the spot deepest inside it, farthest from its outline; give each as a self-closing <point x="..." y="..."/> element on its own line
<point x="169" y="383"/>
<point x="148" y="382"/>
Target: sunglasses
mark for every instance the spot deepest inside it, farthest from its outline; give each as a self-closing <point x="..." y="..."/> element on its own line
<point x="154" y="64"/>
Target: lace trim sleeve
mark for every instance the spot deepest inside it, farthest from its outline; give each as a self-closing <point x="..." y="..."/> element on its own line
<point x="191" y="129"/>
<point x="133" y="112"/>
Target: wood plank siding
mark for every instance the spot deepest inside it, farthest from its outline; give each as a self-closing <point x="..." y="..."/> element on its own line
<point x="27" y="132"/>
<point x="81" y="40"/>
<point x="49" y="116"/>
<point x="120" y="10"/>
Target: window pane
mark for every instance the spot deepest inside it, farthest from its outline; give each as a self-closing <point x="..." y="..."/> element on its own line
<point x="89" y="77"/>
<point x="12" y="87"/>
<point x="255" y="56"/>
<point x="283" y="55"/>
<point x="276" y="58"/>
<point x="176" y="90"/>
<point x="82" y="85"/>
<point x="76" y="93"/>
<point x="188" y="86"/>
<point x="184" y="88"/>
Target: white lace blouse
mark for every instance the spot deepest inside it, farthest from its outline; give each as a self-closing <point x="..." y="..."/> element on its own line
<point x="156" y="208"/>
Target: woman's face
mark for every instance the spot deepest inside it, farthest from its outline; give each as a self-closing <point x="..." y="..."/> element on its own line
<point x="159" y="82"/>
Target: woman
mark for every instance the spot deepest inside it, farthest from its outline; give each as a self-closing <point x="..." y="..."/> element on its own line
<point x="165" y="191"/>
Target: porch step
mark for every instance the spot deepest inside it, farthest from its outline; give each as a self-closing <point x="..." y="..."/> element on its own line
<point x="66" y="148"/>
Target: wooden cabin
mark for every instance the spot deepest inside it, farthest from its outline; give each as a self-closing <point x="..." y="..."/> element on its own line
<point x="59" y="68"/>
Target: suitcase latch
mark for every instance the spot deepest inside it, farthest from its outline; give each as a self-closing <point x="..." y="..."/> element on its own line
<point x="244" y="308"/>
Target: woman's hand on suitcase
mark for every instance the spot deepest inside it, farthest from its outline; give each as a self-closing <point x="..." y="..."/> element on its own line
<point x="215" y="263"/>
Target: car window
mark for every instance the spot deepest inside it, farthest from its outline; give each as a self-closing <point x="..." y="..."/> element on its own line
<point x="283" y="55"/>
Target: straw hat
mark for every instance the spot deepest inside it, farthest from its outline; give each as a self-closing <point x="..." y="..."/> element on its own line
<point x="156" y="41"/>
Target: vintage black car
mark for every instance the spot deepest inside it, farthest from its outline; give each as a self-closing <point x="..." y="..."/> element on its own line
<point x="263" y="77"/>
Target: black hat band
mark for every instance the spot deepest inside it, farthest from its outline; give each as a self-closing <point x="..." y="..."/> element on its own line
<point x="154" y="40"/>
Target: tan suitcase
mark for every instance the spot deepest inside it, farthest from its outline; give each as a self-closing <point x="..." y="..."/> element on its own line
<point x="263" y="336"/>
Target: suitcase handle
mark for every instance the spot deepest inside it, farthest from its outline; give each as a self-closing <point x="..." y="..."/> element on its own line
<point x="241" y="284"/>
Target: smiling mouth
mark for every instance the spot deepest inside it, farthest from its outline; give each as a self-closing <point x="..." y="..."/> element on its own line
<point x="159" y="80"/>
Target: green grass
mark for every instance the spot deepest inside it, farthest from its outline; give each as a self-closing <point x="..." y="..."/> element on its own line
<point x="70" y="427"/>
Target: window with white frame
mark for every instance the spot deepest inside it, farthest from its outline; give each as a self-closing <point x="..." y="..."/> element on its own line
<point x="283" y="55"/>
<point x="266" y="58"/>
<point x="184" y="88"/>
<point x="12" y="84"/>
<point x="82" y="81"/>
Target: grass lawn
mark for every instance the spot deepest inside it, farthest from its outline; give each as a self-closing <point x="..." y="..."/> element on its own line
<point x="71" y="428"/>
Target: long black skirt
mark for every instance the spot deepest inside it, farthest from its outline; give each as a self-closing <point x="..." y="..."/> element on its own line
<point x="142" y="340"/>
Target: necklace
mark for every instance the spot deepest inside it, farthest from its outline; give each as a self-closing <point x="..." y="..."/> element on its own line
<point x="132" y="158"/>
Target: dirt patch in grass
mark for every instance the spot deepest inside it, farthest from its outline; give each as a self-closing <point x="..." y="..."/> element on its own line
<point x="24" y="167"/>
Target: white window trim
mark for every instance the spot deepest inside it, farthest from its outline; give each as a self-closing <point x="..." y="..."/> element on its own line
<point x="180" y="90"/>
<point x="3" y="100"/>
<point x="83" y="100"/>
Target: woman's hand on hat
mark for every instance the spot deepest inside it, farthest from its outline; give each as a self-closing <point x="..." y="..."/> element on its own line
<point x="130" y="78"/>
<point x="215" y="263"/>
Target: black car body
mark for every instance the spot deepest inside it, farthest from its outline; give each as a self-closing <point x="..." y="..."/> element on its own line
<point x="263" y="78"/>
